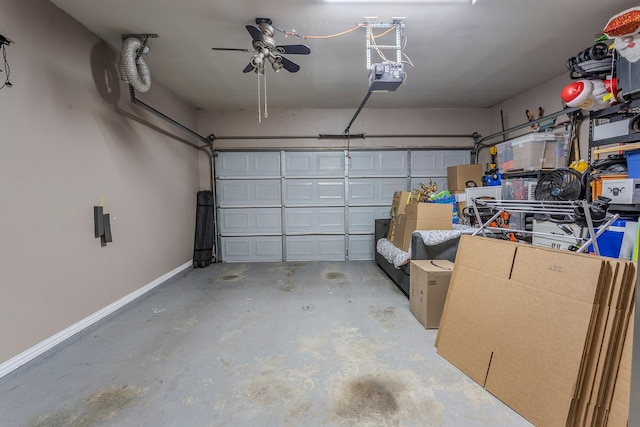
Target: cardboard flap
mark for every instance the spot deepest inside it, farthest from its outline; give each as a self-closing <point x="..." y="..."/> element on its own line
<point x="560" y="272"/>
<point x="492" y="256"/>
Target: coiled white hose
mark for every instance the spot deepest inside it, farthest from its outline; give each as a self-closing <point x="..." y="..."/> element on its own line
<point x="132" y="70"/>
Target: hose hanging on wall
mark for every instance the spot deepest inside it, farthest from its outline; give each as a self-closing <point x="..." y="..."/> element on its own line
<point x="133" y="68"/>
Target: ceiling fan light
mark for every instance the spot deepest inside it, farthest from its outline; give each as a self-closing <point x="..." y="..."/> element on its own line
<point x="276" y="63"/>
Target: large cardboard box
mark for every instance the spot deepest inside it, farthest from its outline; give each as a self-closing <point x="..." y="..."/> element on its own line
<point x="429" y="283"/>
<point x="457" y="176"/>
<point x="421" y="216"/>
<point x="541" y="329"/>
<point x="399" y="202"/>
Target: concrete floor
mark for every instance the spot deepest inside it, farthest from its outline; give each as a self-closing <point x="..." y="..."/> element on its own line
<point x="286" y="344"/>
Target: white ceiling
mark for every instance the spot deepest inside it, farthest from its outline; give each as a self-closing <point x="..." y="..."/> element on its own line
<point x="463" y="55"/>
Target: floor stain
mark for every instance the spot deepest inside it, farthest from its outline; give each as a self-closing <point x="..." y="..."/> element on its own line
<point x="384" y="315"/>
<point x="307" y="308"/>
<point x="287" y="287"/>
<point x="231" y="277"/>
<point x="64" y="418"/>
<point x="109" y="402"/>
<point x="101" y="406"/>
<point x="334" y="275"/>
<point x="368" y="398"/>
<point x="294" y="268"/>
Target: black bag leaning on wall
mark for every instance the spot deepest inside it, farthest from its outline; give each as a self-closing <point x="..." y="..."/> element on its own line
<point x="205" y="233"/>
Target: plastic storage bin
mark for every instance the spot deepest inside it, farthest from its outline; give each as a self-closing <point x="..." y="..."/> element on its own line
<point x="633" y="163"/>
<point x="533" y="151"/>
<point x="610" y="241"/>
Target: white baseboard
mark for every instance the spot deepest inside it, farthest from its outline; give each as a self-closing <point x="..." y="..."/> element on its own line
<point x="46" y="345"/>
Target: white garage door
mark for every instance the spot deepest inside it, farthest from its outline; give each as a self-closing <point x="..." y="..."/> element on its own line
<point x="315" y="205"/>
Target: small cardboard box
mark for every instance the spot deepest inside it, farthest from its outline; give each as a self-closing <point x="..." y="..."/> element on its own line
<point x="622" y="191"/>
<point x="429" y="283"/>
<point x="458" y="176"/>
<point x="400" y="200"/>
<point x="421" y="216"/>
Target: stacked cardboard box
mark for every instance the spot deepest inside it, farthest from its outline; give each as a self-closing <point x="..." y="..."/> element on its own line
<point x="459" y="176"/>
<point x="418" y="216"/>
<point x="546" y="331"/>
<point x="429" y="283"/>
<point x="398" y="207"/>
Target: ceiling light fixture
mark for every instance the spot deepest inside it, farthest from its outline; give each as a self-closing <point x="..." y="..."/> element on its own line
<point x="405" y="1"/>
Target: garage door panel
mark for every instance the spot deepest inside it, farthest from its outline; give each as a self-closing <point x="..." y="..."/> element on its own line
<point x="378" y="163"/>
<point x="315" y="247"/>
<point x="435" y="163"/>
<point x="314" y="192"/>
<point x="245" y="192"/>
<point x="311" y="164"/>
<point x="361" y="247"/>
<point x="250" y="221"/>
<point x="315" y="220"/>
<point x="255" y="249"/>
<point x="371" y="191"/>
<point x="362" y="219"/>
<point x="244" y="164"/>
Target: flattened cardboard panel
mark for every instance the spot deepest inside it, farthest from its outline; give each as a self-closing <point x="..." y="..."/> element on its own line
<point x="616" y="355"/>
<point x="492" y="256"/>
<point x="468" y="334"/>
<point x="593" y="364"/>
<point x="593" y="376"/>
<point x="619" y="414"/>
<point x="540" y="352"/>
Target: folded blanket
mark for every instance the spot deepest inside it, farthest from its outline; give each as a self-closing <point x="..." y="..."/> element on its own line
<point x="435" y="237"/>
<point x="392" y="253"/>
<point x="398" y="257"/>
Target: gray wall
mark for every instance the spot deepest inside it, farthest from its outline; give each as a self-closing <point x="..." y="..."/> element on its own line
<point x="69" y="138"/>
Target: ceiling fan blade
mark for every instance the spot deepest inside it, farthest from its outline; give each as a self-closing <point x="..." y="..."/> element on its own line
<point x="294" y="49"/>
<point x="288" y="65"/>
<point x="248" y="68"/>
<point x="232" y="49"/>
<point x="256" y="34"/>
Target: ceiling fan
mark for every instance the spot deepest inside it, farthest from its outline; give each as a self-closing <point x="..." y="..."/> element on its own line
<point x="265" y="49"/>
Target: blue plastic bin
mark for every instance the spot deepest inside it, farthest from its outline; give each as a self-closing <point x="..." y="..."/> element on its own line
<point x="610" y="241"/>
<point x="633" y="163"/>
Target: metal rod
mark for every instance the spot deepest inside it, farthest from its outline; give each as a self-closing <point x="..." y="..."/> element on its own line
<point x="421" y="136"/>
<point x="152" y="110"/>
<point x="353" y="119"/>
<point x="343" y="136"/>
<point x="528" y="124"/>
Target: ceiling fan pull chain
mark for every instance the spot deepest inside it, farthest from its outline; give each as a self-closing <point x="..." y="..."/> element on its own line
<point x="266" y="113"/>
<point x="259" y="112"/>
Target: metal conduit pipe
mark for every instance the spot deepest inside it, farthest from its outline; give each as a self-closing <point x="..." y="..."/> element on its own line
<point x="339" y="136"/>
<point x="480" y="142"/>
<point x="210" y="152"/>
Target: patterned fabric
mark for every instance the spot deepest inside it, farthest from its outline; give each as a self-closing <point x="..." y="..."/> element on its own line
<point x="398" y="257"/>
<point x="391" y="253"/>
<point x="435" y="237"/>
